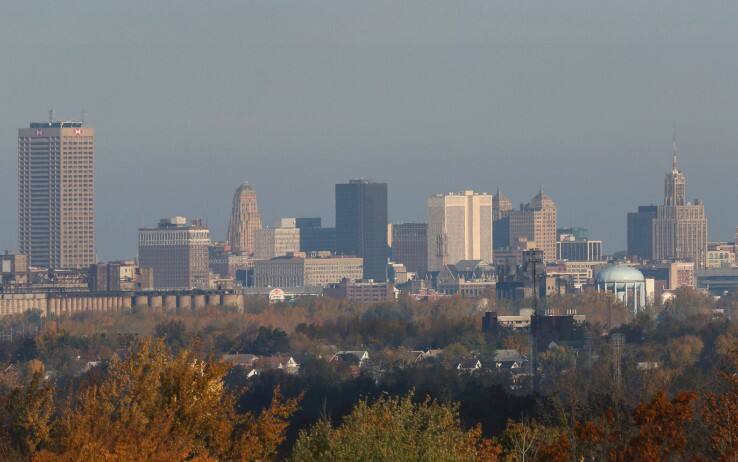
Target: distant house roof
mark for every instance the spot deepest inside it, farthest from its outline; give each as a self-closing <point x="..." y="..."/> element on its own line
<point x="351" y="356"/>
<point x="647" y="366"/>
<point x="239" y="359"/>
<point x="283" y="362"/>
<point x="508" y="355"/>
<point x="469" y="365"/>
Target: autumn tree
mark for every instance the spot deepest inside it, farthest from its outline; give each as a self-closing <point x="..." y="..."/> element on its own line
<point x="155" y="406"/>
<point x="395" y="428"/>
<point x="720" y="412"/>
<point x="25" y="418"/>
<point x="656" y="431"/>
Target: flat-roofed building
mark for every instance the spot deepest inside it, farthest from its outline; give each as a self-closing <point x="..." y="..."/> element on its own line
<point x="313" y="237"/>
<point x="56" y="212"/>
<point x="720" y="258"/>
<point x="113" y="276"/>
<point x="294" y="271"/>
<point x="361" y="291"/>
<point x="177" y="253"/>
<point x="682" y="274"/>
<point x="570" y="248"/>
<point x="459" y="228"/>
<point x="410" y="246"/>
<point x="640" y="232"/>
<point x="278" y="241"/>
<point x="361" y="224"/>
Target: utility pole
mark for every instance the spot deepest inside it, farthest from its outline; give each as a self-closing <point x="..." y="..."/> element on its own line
<point x="533" y="258"/>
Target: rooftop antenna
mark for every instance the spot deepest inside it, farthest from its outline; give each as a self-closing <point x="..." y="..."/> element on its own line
<point x="675" y="151"/>
<point x="82" y="119"/>
<point x="51" y="115"/>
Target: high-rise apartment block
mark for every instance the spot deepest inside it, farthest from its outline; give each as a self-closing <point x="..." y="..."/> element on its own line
<point x="459" y="228"/>
<point x="177" y="252"/>
<point x="680" y="227"/>
<point x="245" y="220"/>
<point x="56" y="213"/>
<point x="410" y="246"/>
<point x="278" y="241"/>
<point x="361" y="225"/>
<point x="536" y="222"/>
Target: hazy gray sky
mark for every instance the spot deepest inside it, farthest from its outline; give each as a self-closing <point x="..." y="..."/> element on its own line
<point x="190" y="98"/>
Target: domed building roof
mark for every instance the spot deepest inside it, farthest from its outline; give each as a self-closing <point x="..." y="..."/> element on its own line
<point x="619" y="273"/>
<point x="541" y="201"/>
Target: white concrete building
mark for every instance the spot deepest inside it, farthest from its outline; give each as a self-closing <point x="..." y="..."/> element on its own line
<point x="459" y="228"/>
<point x="278" y="241"/>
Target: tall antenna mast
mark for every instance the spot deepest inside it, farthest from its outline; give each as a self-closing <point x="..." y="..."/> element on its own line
<point x="51" y="115"/>
<point x="675" y="151"/>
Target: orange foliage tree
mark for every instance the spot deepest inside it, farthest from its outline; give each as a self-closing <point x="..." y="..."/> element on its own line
<point x="155" y="406"/>
<point x="720" y="412"/>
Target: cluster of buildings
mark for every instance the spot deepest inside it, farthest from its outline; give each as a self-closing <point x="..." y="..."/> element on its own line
<point x="473" y="244"/>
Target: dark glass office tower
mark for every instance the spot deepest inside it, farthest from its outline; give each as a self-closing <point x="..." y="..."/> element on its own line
<point x="313" y="237"/>
<point x="640" y="232"/>
<point x="361" y="225"/>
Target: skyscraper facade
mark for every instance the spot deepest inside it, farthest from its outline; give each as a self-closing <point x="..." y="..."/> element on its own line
<point x="459" y="228"/>
<point x="579" y="250"/>
<point x="56" y="213"/>
<point x="361" y="225"/>
<point x="536" y="221"/>
<point x="640" y="232"/>
<point x="410" y="246"/>
<point x="177" y="253"/>
<point x="278" y="241"/>
<point x="313" y="237"/>
<point x="501" y="208"/>
<point x="680" y="227"/>
<point x="245" y="220"/>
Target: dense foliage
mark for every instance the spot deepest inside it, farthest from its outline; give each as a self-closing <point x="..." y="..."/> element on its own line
<point x="150" y="386"/>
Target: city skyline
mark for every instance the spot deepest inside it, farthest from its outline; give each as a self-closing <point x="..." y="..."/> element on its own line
<point x="245" y="190"/>
<point x="580" y="98"/>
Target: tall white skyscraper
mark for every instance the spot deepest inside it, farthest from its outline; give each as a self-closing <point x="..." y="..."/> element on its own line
<point x="56" y="210"/>
<point x="459" y="228"/>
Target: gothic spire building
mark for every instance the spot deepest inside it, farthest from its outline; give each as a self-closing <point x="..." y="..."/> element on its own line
<point x="245" y="220"/>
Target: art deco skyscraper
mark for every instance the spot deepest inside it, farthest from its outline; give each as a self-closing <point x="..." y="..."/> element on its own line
<point x="536" y="221"/>
<point x="459" y="228"/>
<point x="245" y="220"/>
<point x="56" y="215"/>
<point x="680" y="227"/>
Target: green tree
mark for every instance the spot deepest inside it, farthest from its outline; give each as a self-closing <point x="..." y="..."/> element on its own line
<point x="395" y="428"/>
